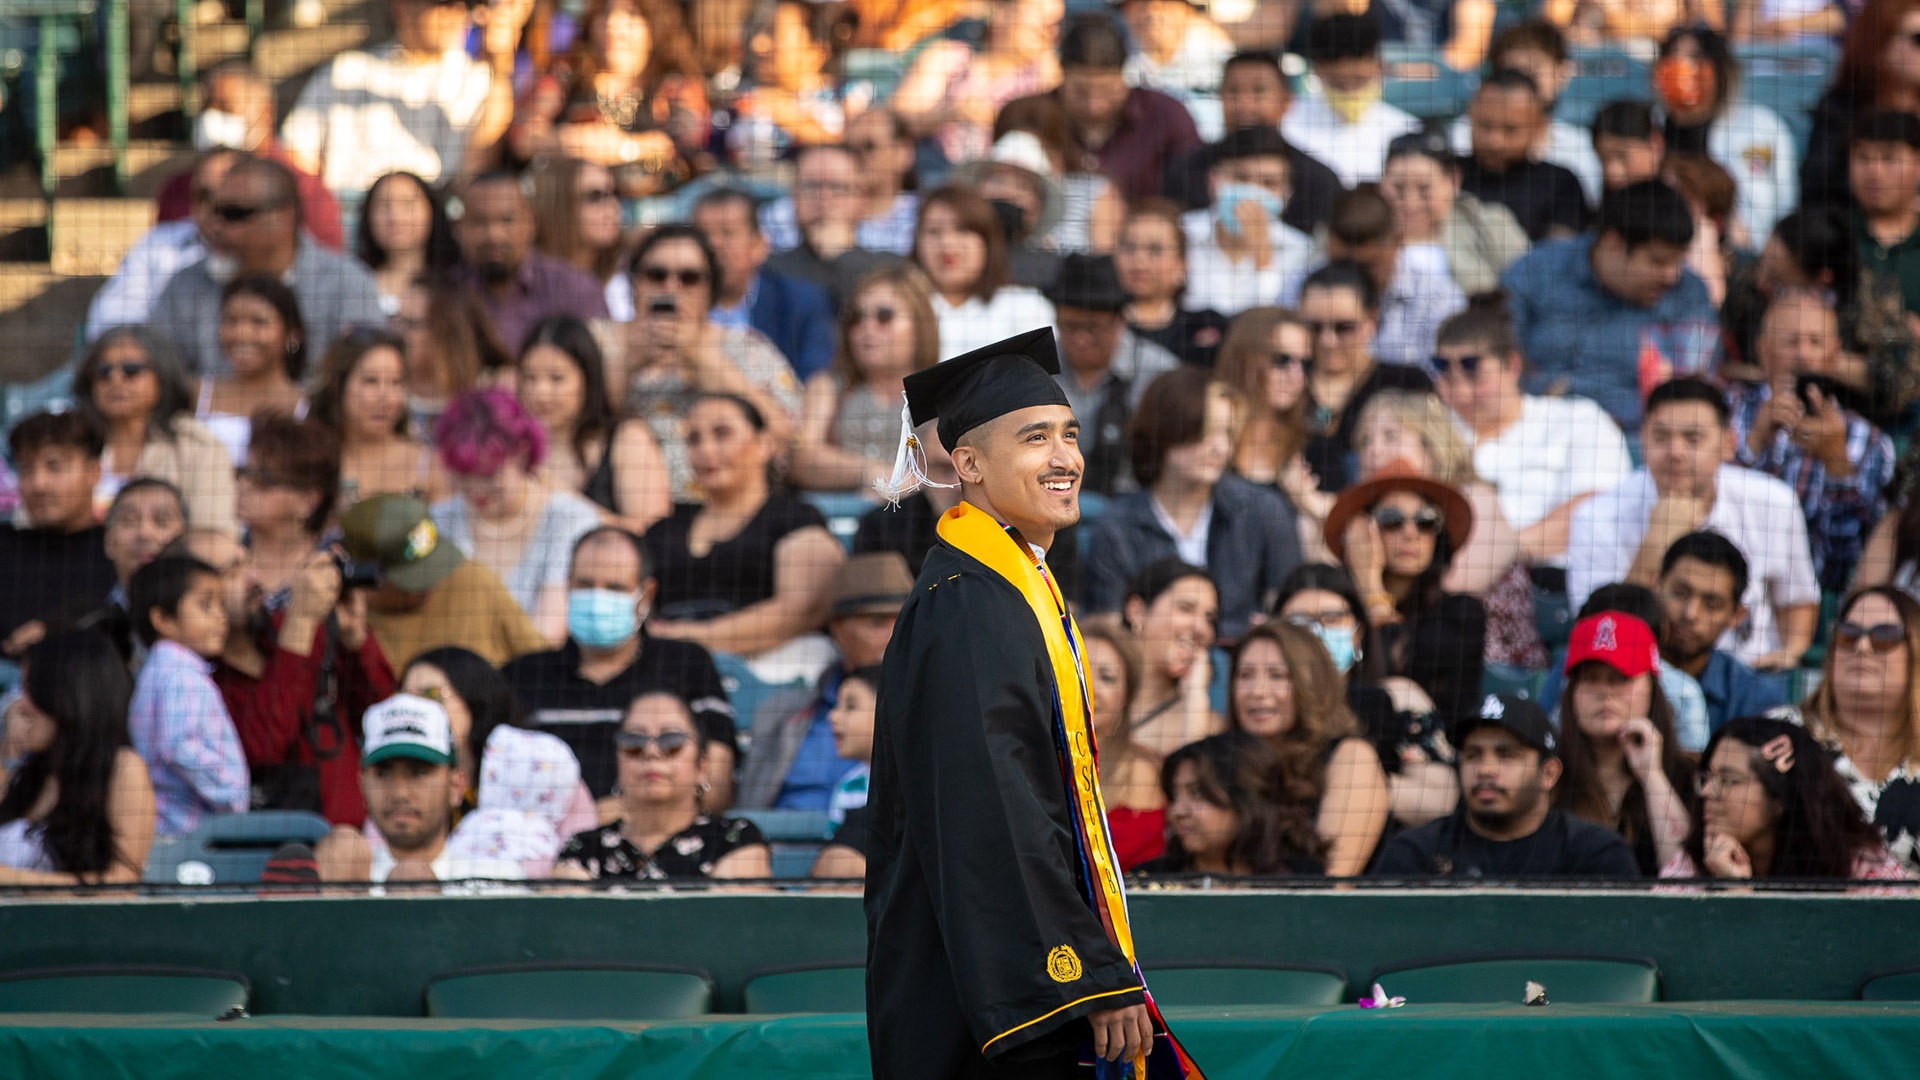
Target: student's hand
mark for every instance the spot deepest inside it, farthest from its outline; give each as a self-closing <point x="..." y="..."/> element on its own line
<point x="1121" y="1034"/>
<point x="1725" y="858"/>
<point x="1822" y="433"/>
<point x="1642" y="743"/>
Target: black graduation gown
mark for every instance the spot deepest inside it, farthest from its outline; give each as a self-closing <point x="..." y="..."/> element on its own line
<point x="973" y="890"/>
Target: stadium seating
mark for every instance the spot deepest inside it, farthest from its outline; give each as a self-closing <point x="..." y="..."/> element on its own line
<point x="745" y="689"/>
<point x="796" y="837"/>
<point x="1602" y="75"/>
<point x="1230" y="985"/>
<point x="843" y="510"/>
<point x="1613" y="980"/>
<point x="813" y="989"/>
<point x="1787" y="78"/>
<point x="1420" y="82"/>
<point x="576" y="991"/>
<point x="1901" y="985"/>
<point x="231" y="849"/>
<point x="124" y="988"/>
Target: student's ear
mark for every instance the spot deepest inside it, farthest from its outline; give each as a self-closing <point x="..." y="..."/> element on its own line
<point x="966" y="463"/>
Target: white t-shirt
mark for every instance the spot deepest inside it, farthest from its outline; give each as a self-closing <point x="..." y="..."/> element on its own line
<point x="1560" y="448"/>
<point x="367" y="114"/>
<point x="1231" y="286"/>
<point x="1015" y="309"/>
<point x="1355" y="152"/>
<point x="1757" y="512"/>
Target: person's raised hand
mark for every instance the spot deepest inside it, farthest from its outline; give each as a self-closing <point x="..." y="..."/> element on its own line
<point x="316" y="588"/>
<point x="1777" y="660"/>
<point x="1366" y="555"/>
<point x="24" y="637"/>
<point x="1822" y="433"/>
<point x="1725" y="858"/>
<point x="1121" y="1034"/>
<point x="1642" y="743"/>
<point x="351" y="615"/>
<point x="1675" y="516"/>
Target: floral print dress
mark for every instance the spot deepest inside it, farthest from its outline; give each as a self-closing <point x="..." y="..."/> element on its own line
<point x="606" y="853"/>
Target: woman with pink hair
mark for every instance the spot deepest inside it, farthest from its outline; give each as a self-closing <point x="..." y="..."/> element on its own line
<point x="502" y="515"/>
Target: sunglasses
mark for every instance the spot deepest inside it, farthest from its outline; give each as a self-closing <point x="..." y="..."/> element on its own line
<point x="881" y="316"/>
<point x="660" y="275"/>
<point x="1469" y="365"/>
<point x="1287" y="360"/>
<point x="634" y="744"/>
<point x="1723" y="781"/>
<point x="1340" y="327"/>
<point x="596" y="196"/>
<point x="131" y="369"/>
<point x="1885" y="637"/>
<point x="237" y="213"/>
<point x="1390" y="519"/>
<point x="865" y="148"/>
<point x="262" y="478"/>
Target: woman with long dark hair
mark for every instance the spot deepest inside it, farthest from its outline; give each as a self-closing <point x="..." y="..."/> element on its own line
<point x="1172" y="611"/>
<point x="78" y="809"/>
<point x="1227" y="814"/>
<point x="1284" y="688"/>
<point x="1772" y="806"/>
<point x="959" y="243"/>
<point x="404" y="236"/>
<point x="1621" y="763"/>
<point x="133" y="386"/>
<point x="1697" y="82"/>
<point x="265" y="345"/>
<point x="591" y="449"/>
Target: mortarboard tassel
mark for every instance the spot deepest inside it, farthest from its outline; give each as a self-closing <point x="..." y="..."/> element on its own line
<point x="909" y="465"/>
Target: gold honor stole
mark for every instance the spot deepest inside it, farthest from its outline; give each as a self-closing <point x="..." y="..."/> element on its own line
<point x="977" y="533"/>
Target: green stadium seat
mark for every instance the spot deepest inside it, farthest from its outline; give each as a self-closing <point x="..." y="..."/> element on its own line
<point x="1229" y="985"/>
<point x="1600" y="75"/>
<point x="835" y="989"/>
<point x="1899" y="985"/>
<point x="843" y="511"/>
<point x="1513" y="681"/>
<point x="1568" y="979"/>
<point x="124" y="988"/>
<point x="562" y="991"/>
<point x="231" y="849"/>
<point x="1420" y="82"/>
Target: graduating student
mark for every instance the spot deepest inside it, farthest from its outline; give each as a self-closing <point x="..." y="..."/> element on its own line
<point x="998" y="941"/>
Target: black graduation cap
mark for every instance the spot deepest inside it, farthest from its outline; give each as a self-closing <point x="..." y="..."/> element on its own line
<point x="973" y="388"/>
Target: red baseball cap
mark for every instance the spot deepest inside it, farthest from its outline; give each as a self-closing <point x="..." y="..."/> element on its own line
<point x="1619" y="640"/>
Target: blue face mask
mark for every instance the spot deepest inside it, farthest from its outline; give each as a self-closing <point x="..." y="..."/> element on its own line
<point x="1228" y="196"/>
<point x="601" y="618"/>
<point x="1339" y="645"/>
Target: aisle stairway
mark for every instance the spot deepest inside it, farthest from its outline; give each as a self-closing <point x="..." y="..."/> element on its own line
<point x="44" y="295"/>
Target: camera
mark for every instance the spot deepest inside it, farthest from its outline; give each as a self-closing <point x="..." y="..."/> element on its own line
<point x="355" y="574"/>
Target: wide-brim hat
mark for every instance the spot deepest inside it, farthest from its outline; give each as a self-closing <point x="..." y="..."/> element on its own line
<point x="1455" y="511"/>
<point x="1022" y="150"/>
<point x="874" y="583"/>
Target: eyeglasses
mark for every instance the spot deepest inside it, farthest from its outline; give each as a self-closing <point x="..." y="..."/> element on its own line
<point x="1151" y="250"/>
<point x="1390" y="519"/>
<point x="240" y="213"/>
<point x="826" y="187"/>
<point x="596" y="196"/>
<point x="1335" y="619"/>
<point x="634" y="744"/>
<point x="1724" y="780"/>
<point x="881" y="316"/>
<point x="1885" y="637"/>
<point x="660" y="275"/>
<point x="1469" y="365"/>
<point x="1287" y="360"/>
<point x="131" y="369"/>
<point x="259" y="477"/>
<point x="1340" y="327"/>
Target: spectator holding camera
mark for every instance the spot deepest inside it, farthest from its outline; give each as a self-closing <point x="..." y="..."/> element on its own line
<point x="1794" y="427"/>
<point x="285" y="496"/>
<point x="295" y="678"/>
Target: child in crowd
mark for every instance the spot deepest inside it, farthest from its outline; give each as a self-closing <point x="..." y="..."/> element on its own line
<point x="178" y="722"/>
<point x="527" y="783"/>
<point x="852" y="722"/>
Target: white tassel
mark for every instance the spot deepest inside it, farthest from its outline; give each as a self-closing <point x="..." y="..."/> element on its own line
<point x="909" y="464"/>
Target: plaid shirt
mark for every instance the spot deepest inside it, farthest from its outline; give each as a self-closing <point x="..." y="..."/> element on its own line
<point x="1841" y="511"/>
<point x="181" y="729"/>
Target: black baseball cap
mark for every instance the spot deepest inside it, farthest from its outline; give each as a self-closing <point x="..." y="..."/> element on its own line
<point x="1522" y="718"/>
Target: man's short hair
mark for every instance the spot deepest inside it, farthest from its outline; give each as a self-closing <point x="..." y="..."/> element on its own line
<point x="1626" y="598"/>
<point x="1648" y="212"/>
<point x="728" y="196"/>
<point x="161" y="584"/>
<point x="1626" y="118"/>
<point x="65" y="429"/>
<point x="1537" y="35"/>
<point x="1252" y="142"/>
<point x="1512" y="79"/>
<point x="1689" y="388"/>
<point x="1265" y="61"/>
<point x="613" y="532"/>
<point x="1360" y="217"/>
<point x="1093" y="41"/>
<point x="1712" y="549"/>
<point x="1345" y="274"/>
<point x="1886" y="126"/>
<point x="1342" y="37"/>
<point x="148" y="483"/>
<point x="282" y="186"/>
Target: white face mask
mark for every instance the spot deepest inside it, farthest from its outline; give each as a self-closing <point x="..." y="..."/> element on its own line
<point x="213" y="128"/>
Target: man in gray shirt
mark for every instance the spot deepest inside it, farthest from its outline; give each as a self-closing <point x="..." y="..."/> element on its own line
<point x="255" y="222"/>
<point x="1104" y="367"/>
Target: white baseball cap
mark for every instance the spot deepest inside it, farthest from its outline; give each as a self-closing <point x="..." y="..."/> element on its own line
<point x="410" y="726"/>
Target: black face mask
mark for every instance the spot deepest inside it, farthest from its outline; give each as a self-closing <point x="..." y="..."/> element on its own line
<point x="1013" y="220"/>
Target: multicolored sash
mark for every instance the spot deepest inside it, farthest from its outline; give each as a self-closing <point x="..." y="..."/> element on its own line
<point x="976" y="532"/>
